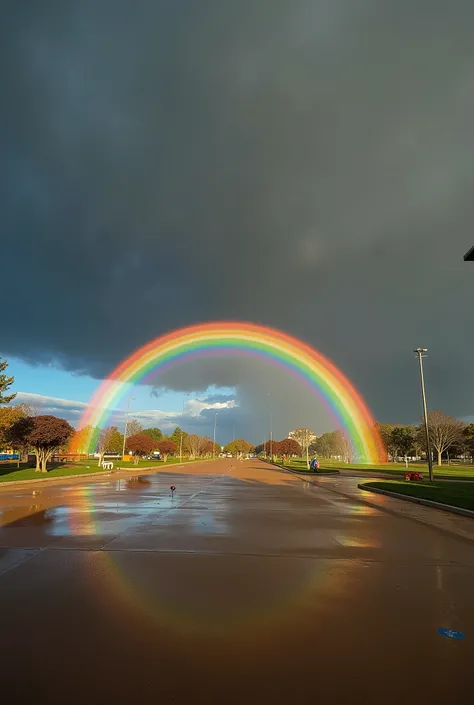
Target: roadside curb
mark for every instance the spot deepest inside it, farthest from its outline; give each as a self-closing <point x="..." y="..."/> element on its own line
<point x="20" y="483"/>
<point x="8" y="485"/>
<point x="419" y="500"/>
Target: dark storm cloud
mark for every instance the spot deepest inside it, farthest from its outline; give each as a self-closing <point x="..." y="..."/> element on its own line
<point x="303" y="164"/>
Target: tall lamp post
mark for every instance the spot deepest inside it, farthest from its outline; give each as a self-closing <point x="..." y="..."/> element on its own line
<point x="126" y="424"/>
<point x="186" y="394"/>
<point x="307" y="449"/>
<point x="419" y="352"/>
<point x="270" y="424"/>
<point x="214" y="444"/>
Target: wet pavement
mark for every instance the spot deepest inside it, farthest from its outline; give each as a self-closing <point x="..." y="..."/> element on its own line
<point x="248" y="585"/>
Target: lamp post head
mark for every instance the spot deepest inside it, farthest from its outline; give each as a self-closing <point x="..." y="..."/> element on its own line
<point x="420" y="350"/>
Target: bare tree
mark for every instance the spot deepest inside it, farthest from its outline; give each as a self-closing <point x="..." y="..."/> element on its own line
<point x="304" y="437"/>
<point x="444" y="430"/>
<point x="195" y="445"/>
<point x="342" y="445"/>
<point x="134" y="427"/>
<point x="110" y="440"/>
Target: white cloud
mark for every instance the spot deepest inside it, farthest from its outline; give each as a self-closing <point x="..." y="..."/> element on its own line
<point x="51" y="405"/>
<point x="194" y="411"/>
<point x="194" y="407"/>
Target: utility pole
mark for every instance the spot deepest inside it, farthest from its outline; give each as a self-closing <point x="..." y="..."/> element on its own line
<point x="419" y="352"/>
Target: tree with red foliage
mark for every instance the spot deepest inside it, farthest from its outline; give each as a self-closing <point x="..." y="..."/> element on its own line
<point x="272" y="448"/>
<point x="288" y="447"/>
<point x="140" y="445"/>
<point x="269" y="447"/>
<point x="44" y="434"/>
<point x="166" y="447"/>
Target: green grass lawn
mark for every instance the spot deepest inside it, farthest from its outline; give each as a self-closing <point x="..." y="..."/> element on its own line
<point x="118" y="463"/>
<point x="299" y="465"/>
<point x="9" y="472"/>
<point x="27" y="473"/>
<point x="397" y="469"/>
<point x="457" y="494"/>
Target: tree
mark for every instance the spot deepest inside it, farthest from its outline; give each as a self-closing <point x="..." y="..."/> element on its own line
<point x="154" y="433"/>
<point x="274" y="449"/>
<point x="8" y="416"/>
<point x="402" y="438"/>
<point x="324" y="446"/>
<point x="209" y="448"/>
<point x="140" y="444"/>
<point x="385" y="433"/>
<point x="45" y="434"/>
<point x="166" y="446"/>
<point x="176" y="436"/>
<point x="468" y="440"/>
<point x="194" y="445"/>
<point x="83" y="440"/>
<point x="419" y="440"/>
<point x="5" y="384"/>
<point x="110" y="440"/>
<point x="304" y="437"/>
<point x="288" y="447"/>
<point x="133" y="427"/>
<point x="444" y="431"/>
<point x="342" y="445"/>
<point x="238" y="446"/>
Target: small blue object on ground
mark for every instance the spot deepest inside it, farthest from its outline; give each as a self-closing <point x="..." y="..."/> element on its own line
<point x="451" y="634"/>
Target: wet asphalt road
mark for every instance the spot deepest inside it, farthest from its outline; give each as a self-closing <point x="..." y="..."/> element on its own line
<point x="248" y="585"/>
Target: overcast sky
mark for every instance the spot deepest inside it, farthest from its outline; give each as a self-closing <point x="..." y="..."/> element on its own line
<point x="303" y="164"/>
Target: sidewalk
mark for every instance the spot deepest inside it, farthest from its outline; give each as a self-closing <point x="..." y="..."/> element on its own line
<point x="436" y="518"/>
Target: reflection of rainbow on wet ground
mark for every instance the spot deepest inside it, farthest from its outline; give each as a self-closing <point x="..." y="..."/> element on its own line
<point x="257" y="604"/>
<point x="77" y="517"/>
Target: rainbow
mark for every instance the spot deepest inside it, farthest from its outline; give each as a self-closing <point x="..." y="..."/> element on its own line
<point x="316" y="371"/>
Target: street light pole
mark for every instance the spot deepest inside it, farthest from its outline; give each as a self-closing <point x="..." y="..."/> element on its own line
<point x="214" y="444"/>
<point x="270" y="424"/>
<point x="181" y="448"/>
<point x="307" y="449"/>
<point x="126" y="424"/>
<point x="419" y="352"/>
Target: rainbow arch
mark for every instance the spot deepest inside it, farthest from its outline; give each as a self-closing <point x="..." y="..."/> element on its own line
<point x="316" y="371"/>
